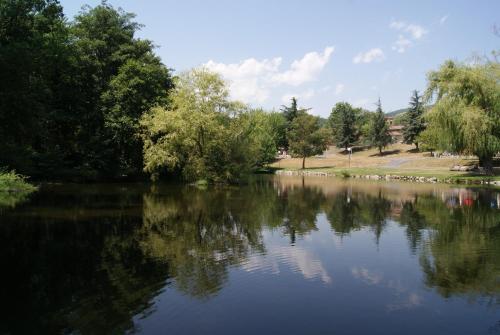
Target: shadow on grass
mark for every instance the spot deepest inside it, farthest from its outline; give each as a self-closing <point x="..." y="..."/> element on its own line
<point x="387" y="153"/>
<point x="354" y="149"/>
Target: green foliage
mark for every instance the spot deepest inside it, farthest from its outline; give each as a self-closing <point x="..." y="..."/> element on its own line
<point x="72" y="93"/>
<point x="414" y="123"/>
<point x="290" y="113"/>
<point x="466" y="113"/>
<point x="345" y="174"/>
<point x="379" y="130"/>
<point x="306" y="137"/>
<point x="268" y="130"/>
<point x="204" y="135"/>
<point x="400" y="119"/>
<point x="343" y="121"/>
<point x="13" y="182"/>
<point x="14" y="188"/>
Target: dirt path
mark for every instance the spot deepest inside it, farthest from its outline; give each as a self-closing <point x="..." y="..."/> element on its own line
<point x="397" y="162"/>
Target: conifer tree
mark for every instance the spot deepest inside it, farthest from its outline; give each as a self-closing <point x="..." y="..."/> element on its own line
<point x="414" y="123"/>
<point x="379" y="132"/>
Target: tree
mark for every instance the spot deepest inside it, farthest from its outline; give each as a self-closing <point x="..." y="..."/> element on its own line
<point x="306" y="137"/>
<point x="34" y="62"/>
<point x="413" y="122"/>
<point x="120" y="78"/>
<point x="268" y="129"/>
<point x="343" y="122"/>
<point x="290" y="113"/>
<point x="204" y="135"/>
<point x="466" y="110"/>
<point x="379" y="130"/>
<point x="71" y="94"/>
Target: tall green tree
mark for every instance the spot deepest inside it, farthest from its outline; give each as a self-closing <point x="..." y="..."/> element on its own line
<point x="413" y="121"/>
<point x="121" y="78"/>
<point x="343" y="122"/>
<point x="290" y="113"/>
<point x="379" y="130"/>
<point x="35" y="85"/>
<point x="71" y="94"/>
<point x="306" y="137"/>
<point x="466" y="112"/>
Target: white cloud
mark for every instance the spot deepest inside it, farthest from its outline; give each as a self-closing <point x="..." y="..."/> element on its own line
<point x="246" y="79"/>
<point x="372" y="55"/>
<point x="253" y="80"/>
<point x="305" y="69"/>
<point x="325" y="89"/>
<point x="369" y="277"/>
<point x="401" y="44"/>
<point x="443" y="19"/>
<point x="339" y="88"/>
<point x="398" y="25"/>
<point x="363" y="103"/>
<point x="414" y="30"/>
<point x="308" y="94"/>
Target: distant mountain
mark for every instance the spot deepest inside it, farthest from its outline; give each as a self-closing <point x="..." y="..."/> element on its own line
<point x="396" y="112"/>
<point x="404" y="110"/>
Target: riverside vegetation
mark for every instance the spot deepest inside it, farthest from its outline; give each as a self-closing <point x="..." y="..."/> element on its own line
<point x="88" y="100"/>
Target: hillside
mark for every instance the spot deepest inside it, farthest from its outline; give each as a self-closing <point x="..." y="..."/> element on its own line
<point x="396" y="112"/>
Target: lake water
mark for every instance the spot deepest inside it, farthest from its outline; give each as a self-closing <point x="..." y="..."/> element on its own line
<point x="281" y="255"/>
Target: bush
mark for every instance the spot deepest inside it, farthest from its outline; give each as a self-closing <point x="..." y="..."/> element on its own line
<point x="345" y="174"/>
<point x="13" y="182"/>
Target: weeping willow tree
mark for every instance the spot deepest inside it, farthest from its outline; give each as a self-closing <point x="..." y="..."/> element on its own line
<point x="466" y="115"/>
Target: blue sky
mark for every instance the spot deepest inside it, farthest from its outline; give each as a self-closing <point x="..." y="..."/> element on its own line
<point x="322" y="52"/>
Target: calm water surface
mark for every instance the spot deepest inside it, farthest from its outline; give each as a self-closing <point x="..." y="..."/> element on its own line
<point x="278" y="256"/>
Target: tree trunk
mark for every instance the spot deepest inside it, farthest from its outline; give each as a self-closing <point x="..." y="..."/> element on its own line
<point x="416" y="145"/>
<point x="380" y="150"/>
<point x="487" y="164"/>
<point x="303" y="162"/>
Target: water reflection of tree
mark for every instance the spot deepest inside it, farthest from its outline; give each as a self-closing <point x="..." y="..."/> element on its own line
<point x="349" y="211"/>
<point x="101" y="257"/>
<point x="200" y="234"/>
<point x="461" y="255"/>
<point x="298" y="208"/>
<point x="84" y="276"/>
<point x="415" y="223"/>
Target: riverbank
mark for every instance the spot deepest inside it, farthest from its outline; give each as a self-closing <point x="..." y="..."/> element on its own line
<point x="420" y="176"/>
<point x="398" y="162"/>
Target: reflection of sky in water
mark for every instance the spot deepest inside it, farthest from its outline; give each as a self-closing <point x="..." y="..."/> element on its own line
<point x="296" y="258"/>
<point x="352" y="282"/>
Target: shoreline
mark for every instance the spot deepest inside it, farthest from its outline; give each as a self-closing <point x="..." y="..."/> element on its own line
<point x="414" y="178"/>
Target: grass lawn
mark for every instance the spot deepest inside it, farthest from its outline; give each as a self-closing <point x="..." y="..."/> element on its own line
<point x="398" y="159"/>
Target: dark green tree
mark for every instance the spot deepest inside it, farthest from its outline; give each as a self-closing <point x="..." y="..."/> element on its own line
<point x="35" y="85"/>
<point x="343" y="121"/>
<point x="71" y="94"/>
<point x="121" y="79"/>
<point x="413" y="122"/>
<point x="379" y="130"/>
<point x="290" y="113"/>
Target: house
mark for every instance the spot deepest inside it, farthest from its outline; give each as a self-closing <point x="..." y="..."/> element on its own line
<point x="396" y="131"/>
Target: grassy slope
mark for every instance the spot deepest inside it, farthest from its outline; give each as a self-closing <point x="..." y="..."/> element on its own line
<point x="398" y="159"/>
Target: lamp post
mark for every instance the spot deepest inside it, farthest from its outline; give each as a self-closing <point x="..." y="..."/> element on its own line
<point x="349" y="150"/>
